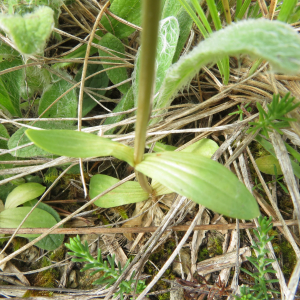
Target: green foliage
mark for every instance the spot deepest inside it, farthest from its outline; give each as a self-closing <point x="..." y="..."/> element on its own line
<point x="42" y="217"/>
<point x="240" y="111"/>
<point x="79" y="144"/>
<point x="129" y="192"/>
<point x="30" y="31"/>
<point x="117" y="75"/>
<point x="194" y="176"/>
<point x="253" y="37"/>
<point x="276" y="111"/>
<point x="97" y="81"/>
<point x="129" y="10"/>
<point x="110" y="273"/>
<point x="269" y="165"/>
<point x="65" y="107"/>
<point x="10" y="86"/>
<point x="261" y="263"/>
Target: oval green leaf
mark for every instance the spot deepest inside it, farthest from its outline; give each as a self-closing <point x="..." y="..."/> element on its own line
<point x="79" y="144"/>
<point x="204" y="147"/>
<point x="23" y="193"/>
<point x="11" y="218"/>
<point x="128" y="192"/>
<point x="266" y="165"/>
<point x="203" y="181"/>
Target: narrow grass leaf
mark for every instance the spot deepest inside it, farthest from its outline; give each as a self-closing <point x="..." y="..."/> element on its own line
<point x="30" y="31"/>
<point x="258" y="38"/>
<point x="118" y="75"/>
<point x="202" y="180"/>
<point x="24" y="193"/>
<point x="286" y="10"/>
<point x="79" y="144"/>
<point x="128" y="192"/>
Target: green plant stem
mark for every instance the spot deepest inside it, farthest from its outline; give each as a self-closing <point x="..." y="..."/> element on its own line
<point x="243" y="9"/>
<point x="227" y="11"/>
<point x="151" y="14"/>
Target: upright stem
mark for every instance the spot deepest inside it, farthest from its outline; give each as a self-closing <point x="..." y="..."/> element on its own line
<point x="150" y="18"/>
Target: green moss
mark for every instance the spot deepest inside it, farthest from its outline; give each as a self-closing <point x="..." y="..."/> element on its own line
<point x="288" y="256"/>
<point x="58" y="254"/>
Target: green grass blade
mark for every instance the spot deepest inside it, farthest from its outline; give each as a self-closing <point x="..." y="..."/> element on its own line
<point x="194" y="177"/>
<point x="194" y="17"/>
<point x="79" y="144"/>
<point x="214" y="14"/>
<point x="201" y="15"/>
<point x="243" y="10"/>
<point x="238" y="6"/>
<point x="286" y="10"/>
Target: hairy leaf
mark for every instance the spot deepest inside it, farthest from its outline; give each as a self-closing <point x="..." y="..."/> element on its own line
<point x="79" y="144"/>
<point x="195" y="176"/>
<point x="128" y="192"/>
<point x="30" y="31"/>
<point x="24" y="193"/>
<point x="10" y="86"/>
<point x="117" y="75"/>
<point x="166" y="45"/>
<point x="175" y="9"/>
<point x="258" y="38"/>
<point x="66" y="107"/>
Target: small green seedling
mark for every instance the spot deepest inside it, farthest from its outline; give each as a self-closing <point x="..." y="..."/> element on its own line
<point x="241" y="111"/>
<point x="188" y="174"/>
<point x="110" y="273"/>
<point x="261" y="263"/>
<point x="43" y="216"/>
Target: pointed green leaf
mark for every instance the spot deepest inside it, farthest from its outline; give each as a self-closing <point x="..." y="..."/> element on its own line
<point x="24" y="193"/>
<point x="79" y="144"/>
<point x="117" y="75"/>
<point x="129" y="10"/>
<point x="175" y="9"/>
<point x="19" y="138"/>
<point x="30" y="31"/>
<point x="202" y="180"/>
<point x="10" y="86"/>
<point x="266" y="165"/>
<point x="11" y="218"/>
<point x="258" y="38"/>
<point x="128" y="192"/>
